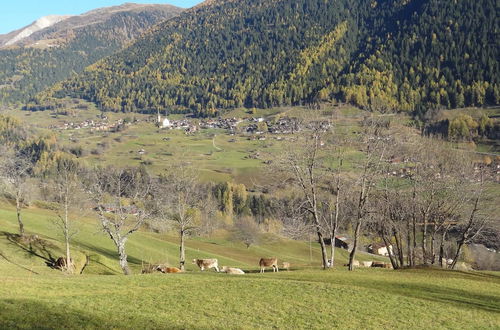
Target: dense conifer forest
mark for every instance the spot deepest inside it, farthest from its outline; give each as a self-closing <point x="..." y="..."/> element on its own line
<point x="386" y="55"/>
<point x="63" y="50"/>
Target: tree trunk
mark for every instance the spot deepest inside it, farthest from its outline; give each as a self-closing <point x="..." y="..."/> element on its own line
<point x="19" y="220"/>
<point x="441" y="247"/>
<point x="332" y="246"/>
<point x="393" y="260"/>
<point x="414" y="227"/>
<point x="123" y="256"/>
<point x="354" y="245"/>
<point x="424" y="241"/>
<point x="399" y="245"/>
<point x="457" y="255"/>
<point x="466" y="233"/>
<point x="335" y="224"/>
<point x="409" y="257"/>
<point x="414" y="248"/>
<point x="433" y="248"/>
<point x="182" y="251"/>
<point x="332" y="252"/>
<point x="69" y="263"/>
<point x="324" y="254"/>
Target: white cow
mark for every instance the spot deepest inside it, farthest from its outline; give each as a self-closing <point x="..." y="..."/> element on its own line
<point x="231" y="270"/>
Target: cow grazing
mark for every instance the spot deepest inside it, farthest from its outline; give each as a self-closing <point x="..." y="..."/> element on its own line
<point x="268" y="262"/>
<point x="286" y="265"/>
<point x="231" y="270"/>
<point x="168" y="270"/>
<point x="206" y="264"/>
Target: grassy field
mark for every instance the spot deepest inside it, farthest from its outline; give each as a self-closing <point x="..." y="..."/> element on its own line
<point x="33" y="295"/>
<point x="307" y="299"/>
<point x="219" y="156"/>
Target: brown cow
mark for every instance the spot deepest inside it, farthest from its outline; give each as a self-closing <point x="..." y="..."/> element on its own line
<point x="207" y="264"/>
<point x="268" y="262"/>
<point x="168" y="270"/>
<point x="286" y="265"/>
<point x="378" y="264"/>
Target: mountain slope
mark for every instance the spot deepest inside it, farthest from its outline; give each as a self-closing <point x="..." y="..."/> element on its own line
<point x="40" y="24"/>
<point x="30" y="64"/>
<point x="382" y="55"/>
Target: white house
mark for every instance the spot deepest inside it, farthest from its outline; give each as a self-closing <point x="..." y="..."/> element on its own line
<point x="380" y="249"/>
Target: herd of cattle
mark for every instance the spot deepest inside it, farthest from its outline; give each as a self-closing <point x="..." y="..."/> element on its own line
<point x="204" y="264"/>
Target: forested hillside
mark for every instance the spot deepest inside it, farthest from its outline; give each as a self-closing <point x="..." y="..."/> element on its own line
<point x="380" y="55"/>
<point x="66" y="48"/>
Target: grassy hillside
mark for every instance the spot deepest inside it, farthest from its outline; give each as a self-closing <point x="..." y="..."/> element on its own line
<point x="25" y="257"/>
<point x="304" y="297"/>
<point x="32" y="295"/>
<point x="365" y="299"/>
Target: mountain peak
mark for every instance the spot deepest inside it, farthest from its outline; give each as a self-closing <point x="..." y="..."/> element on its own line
<point x="39" y="24"/>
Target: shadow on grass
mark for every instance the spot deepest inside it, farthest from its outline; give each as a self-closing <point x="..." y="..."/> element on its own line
<point x="460" y="298"/>
<point x="27" y="314"/>
<point x="34" y="246"/>
<point x="475" y="276"/>
<point x="108" y="253"/>
<point x="30" y="314"/>
<point x="427" y="291"/>
<point x="16" y="264"/>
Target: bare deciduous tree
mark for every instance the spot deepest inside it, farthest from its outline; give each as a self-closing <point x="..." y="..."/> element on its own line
<point x="483" y="210"/>
<point x="303" y="162"/>
<point x="121" y="198"/>
<point x="332" y="212"/>
<point x="177" y="200"/>
<point x="374" y="144"/>
<point x="15" y="169"/>
<point x="64" y="186"/>
<point x="246" y="230"/>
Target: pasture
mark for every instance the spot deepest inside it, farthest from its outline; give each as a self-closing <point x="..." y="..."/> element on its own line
<point x="33" y="295"/>
<point x="219" y="156"/>
<point x="305" y="299"/>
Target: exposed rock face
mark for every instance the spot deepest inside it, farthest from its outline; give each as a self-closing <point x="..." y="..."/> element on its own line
<point x="53" y="30"/>
<point x="39" y="24"/>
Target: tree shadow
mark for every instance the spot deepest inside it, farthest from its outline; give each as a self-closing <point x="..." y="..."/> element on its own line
<point x="16" y="264"/>
<point x="109" y="253"/>
<point x="460" y="298"/>
<point x="34" y="246"/>
<point x="29" y="314"/>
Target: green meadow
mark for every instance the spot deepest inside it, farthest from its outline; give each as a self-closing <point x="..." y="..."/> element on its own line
<point x="33" y="295"/>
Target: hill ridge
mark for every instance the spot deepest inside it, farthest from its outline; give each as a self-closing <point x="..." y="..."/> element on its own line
<point x="395" y="55"/>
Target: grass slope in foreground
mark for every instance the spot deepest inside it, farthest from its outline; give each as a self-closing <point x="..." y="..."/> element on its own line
<point x="301" y="298"/>
<point x="362" y="299"/>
